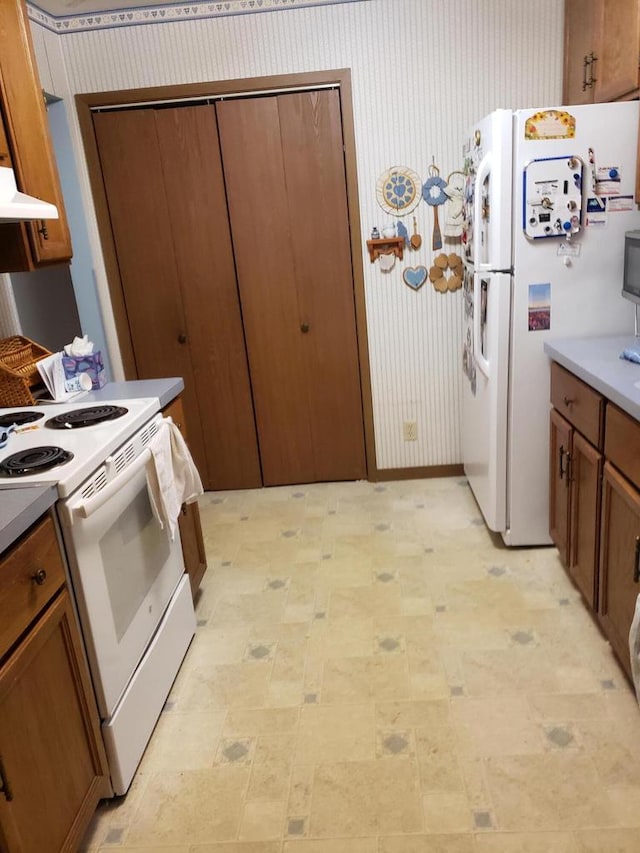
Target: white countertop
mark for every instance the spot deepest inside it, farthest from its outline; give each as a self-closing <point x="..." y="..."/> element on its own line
<point x="597" y="362"/>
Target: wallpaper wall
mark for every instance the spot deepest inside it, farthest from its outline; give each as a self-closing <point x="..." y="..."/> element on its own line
<point x="422" y="71"/>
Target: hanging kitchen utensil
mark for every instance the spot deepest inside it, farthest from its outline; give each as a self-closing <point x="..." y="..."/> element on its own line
<point x="454" y="209"/>
<point x="416" y="239"/>
<point x="433" y="193"/>
<point x="402" y="232"/>
<point x="398" y="190"/>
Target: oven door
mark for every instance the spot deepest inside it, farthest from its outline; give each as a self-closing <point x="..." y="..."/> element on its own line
<point x="124" y="570"/>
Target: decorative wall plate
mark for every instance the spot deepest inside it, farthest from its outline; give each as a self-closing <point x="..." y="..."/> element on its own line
<point x="415" y="277"/>
<point x="399" y="190"/>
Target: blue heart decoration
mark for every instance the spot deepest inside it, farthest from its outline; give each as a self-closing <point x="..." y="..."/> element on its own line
<point x="415" y="277"/>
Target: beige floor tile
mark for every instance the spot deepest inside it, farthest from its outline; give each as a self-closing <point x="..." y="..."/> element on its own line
<point x="363" y="679"/>
<point x="262" y="821"/>
<point x="269" y="780"/>
<point x="363" y="797"/>
<point x="183" y="741"/>
<point x="332" y="845"/>
<point x="559" y="790"/>
<point x="193" y="807"/>
<point x="329" y="733"/>
<point x="607" y="841"/>
<point x="625" y="803"/>
<point x="237" y="847"/>
<point x="300" y="787"/>
<point x="495" y="726"/>
<point x="446" y="813"/>
<point x="526" y="842"/>
<point x="260" y="721"/>
<point x="154" y="849"/>
<point x="243" y="685"/>
<point x="453" y="843"/>
<point x="412" y="714"/>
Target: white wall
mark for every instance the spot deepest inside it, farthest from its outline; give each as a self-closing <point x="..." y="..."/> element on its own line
<point x="422" y="71"/>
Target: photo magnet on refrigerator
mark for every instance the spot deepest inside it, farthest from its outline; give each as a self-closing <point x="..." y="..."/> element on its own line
<point x="539" y="307"/>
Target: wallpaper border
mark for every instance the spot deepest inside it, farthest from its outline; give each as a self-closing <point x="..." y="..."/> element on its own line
<point x="167" y="14"/>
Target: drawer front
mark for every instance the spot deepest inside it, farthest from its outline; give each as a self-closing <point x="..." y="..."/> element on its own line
<point x="622" y="443"/>
<point x="578" y="403"/>
<point x="30" y="574"/>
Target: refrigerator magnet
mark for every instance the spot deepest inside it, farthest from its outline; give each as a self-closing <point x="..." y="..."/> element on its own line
<point x="539" y="307"/>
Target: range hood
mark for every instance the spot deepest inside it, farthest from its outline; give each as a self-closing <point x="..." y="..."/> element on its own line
<point x="16" y="206"/>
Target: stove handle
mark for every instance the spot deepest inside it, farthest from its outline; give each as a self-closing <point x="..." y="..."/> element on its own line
<point x="87" y="508"/>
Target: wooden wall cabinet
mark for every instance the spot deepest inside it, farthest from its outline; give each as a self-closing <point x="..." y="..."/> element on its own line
<point x="576" y="460"/>
<point x="28" y="245"/>
<point x="601" y="44"/>
<point x="193" y="551"/>
<point x="594" y="516"/>
<point x="53" y="768"/>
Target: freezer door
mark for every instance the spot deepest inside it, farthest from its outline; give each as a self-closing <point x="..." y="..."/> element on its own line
<point x="485" y="392"/>
<point x="488" y="193"/>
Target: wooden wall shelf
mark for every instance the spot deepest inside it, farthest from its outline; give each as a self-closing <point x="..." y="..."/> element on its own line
<point x="386" y="246"/>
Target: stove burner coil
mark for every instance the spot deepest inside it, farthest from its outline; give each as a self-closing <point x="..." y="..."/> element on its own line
<point x="33" y="461"/>
<point x="20" y="418"/>
<point x="78" y="418"/>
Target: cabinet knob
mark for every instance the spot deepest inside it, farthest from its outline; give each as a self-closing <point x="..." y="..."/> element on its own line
<point x="183" y="509"/>
<point x="568" y="401"/>
<point x="182" y="338"/>
<point x="304" y="328"/>
<point x="39" y="577"/>
<point x="43" y="230"/>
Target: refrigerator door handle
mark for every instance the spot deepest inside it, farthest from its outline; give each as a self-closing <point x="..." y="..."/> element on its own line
<point x="484" y="170"/>
<point x="480" y="308"/>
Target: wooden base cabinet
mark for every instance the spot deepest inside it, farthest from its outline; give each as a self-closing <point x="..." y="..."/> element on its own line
<point x="193" y="552"/>
<point x="575" y="475"/>
<point x="620" y="561"/>
<point x="53" y="768"/>
<point x="594" y="517"/>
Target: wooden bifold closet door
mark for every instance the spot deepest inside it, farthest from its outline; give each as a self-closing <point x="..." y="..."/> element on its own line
<point x="231" y="231"/>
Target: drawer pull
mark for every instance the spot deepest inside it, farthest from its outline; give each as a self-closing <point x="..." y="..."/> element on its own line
<point x="39" y="577"/>
<point x="564" y="470"/>
<point x="636" y="566"/>
<point x="568" y="401"/>
<point x="5" y="788"/>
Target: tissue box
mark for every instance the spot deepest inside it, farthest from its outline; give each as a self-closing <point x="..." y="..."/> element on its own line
<point x="91" y="364"/>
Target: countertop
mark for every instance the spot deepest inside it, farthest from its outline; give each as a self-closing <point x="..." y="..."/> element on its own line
<point x="21" y="506"/>
<point x="597" y="362"/>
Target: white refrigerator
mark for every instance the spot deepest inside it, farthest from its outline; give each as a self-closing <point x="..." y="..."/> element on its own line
<point x="548" y="197"/>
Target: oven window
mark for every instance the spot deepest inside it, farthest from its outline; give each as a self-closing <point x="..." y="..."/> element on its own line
<point x="134" y="551"/>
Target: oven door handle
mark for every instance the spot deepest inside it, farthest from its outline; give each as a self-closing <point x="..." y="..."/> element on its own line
<point x="87" y="508"/>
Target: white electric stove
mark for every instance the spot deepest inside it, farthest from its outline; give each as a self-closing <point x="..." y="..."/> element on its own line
<point x="84" y="443"/>
<point x="127" y="575"/>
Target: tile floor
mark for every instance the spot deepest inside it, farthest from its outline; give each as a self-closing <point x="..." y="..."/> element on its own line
<point x="373" y="673"/>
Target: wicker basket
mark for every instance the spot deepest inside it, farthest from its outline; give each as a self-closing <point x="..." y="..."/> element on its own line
<point x="18" y="370"/>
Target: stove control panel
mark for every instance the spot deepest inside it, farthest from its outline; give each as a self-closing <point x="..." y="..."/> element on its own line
<point x="553" y="197"/>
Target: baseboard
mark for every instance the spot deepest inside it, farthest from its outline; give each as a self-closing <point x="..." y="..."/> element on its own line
<point x="424" y="473"/>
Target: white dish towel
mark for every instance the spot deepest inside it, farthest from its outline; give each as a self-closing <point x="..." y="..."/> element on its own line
<point x="172" y="477"/>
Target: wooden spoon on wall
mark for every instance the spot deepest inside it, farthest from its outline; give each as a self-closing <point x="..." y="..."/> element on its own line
<point x="416" y="239"/>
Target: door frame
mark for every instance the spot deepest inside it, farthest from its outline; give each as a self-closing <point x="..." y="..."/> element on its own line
<point x="341" y="79"/>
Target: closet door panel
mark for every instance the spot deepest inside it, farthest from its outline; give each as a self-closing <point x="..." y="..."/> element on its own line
<point x="262" y="239"/>
<point x="194" y="185"/>
<point x="311" y="134"/>
<point x="139" y="214"/>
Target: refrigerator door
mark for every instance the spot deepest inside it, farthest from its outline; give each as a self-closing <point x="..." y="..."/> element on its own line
<point x="485" y="362"/>
<point x="488" y="197"/>
<point x="564" y="288"/>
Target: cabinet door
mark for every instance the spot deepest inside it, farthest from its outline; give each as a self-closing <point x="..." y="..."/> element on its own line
<point x="27" y="127"/>
<point x="586" y="473"/>
<point x="193" y="551"/>
<point x="616" y="69"/>
<point x="52" y="760"/>
<point x="581" y="39"/>
<point x="619" y="556"/>
<point x="559" y="484"/>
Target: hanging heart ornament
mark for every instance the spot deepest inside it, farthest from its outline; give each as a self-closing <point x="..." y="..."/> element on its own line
<point x="398" y="190"/>
<point x="433" y="192"/>
<point x="415" y="277"/>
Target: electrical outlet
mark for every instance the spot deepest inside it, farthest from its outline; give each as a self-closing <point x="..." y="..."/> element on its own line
<point x="410" y="431"/>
